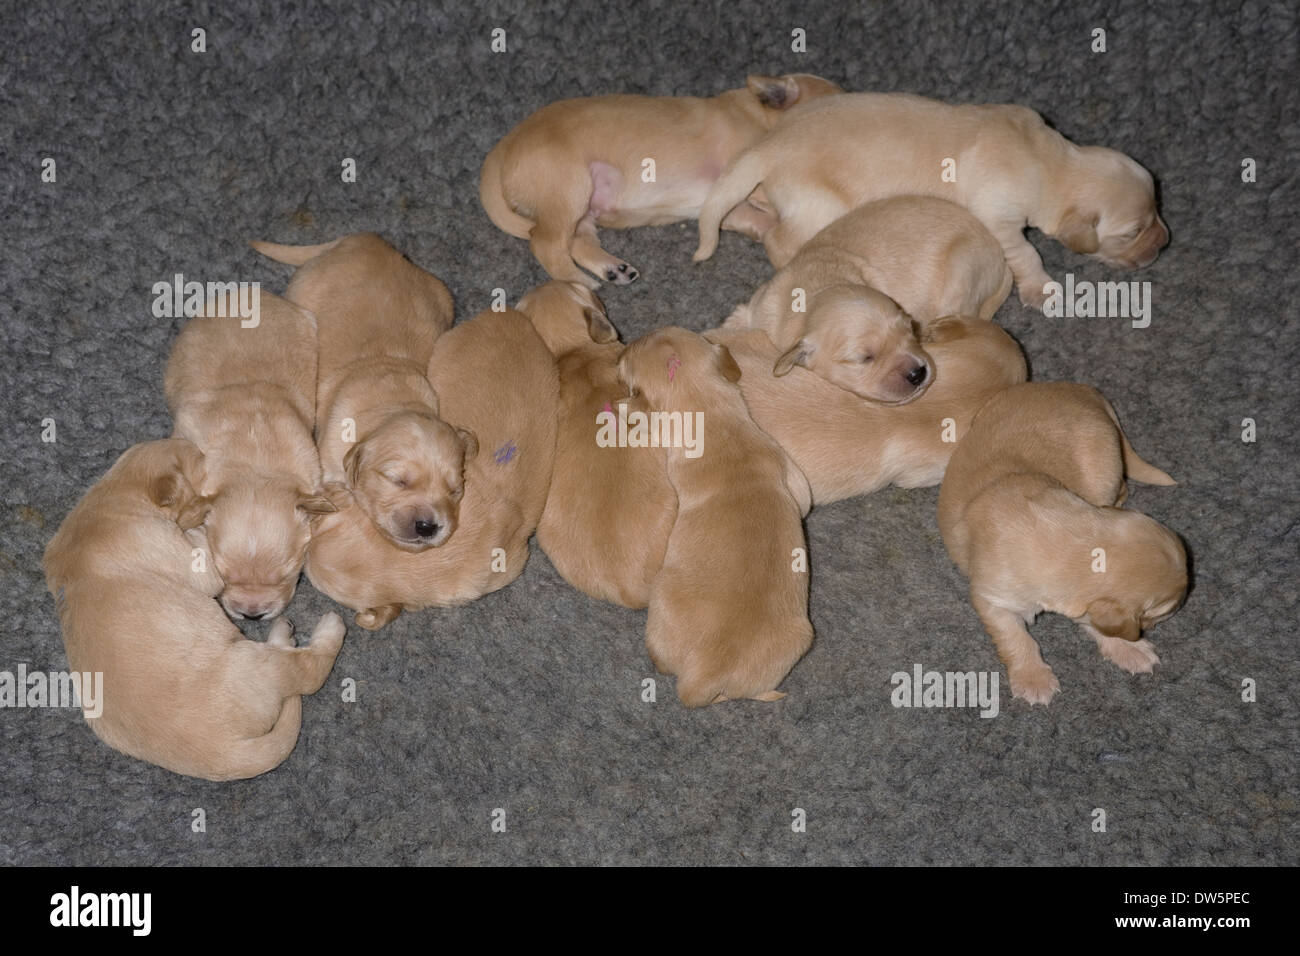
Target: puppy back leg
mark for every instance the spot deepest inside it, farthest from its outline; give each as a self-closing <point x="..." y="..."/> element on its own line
<point x="558" y="216"/>
<point x="1031" y="678"/>
<point x="373" y="618"/>
<point x="1026" y="265"/>
<point x="303" y="669"/>
<point x="589" y="254"/>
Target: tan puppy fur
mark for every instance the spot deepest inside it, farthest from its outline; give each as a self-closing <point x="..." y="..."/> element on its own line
<point x="246" y="398"/>
<point x="847" y="447"/>
<point x="578" y="164"/>
<point x="1011" y="170"/>
<point x="496" y="378"/>
<point x="728" y="612"/>
<point x="1030" y="493"/>
<point x="378" y="426"/>
<point x="182" y="687"/>
<point x="610" y="510"/>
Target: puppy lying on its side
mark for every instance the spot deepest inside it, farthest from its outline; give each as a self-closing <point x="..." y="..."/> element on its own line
<point x="1028" y="512"/>
<point x="182" y="689"/>
<point x="377" y="416"/>
<point x="609" y="510"/>
<point x="494" y="376"/>
<point x="846" y="447"/>
<point x="860" y="280"/>
<point x="728" y="611"/>
<point x="581" y="163"/>
<point x="247" y="398"/>
<point x="1001" y="162"/>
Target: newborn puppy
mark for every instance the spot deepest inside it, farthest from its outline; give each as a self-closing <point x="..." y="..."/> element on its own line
<point x="847" y="447"/>
<point x="610" y="509"/>
<point x="378" y="427"/>
<point x="246" y="398"/>
<point x="496" y="378"/>
<point x="182" y="687"/>
<point x="1028" y="512"/>
<point x="1001" y="162"/>
<point x="582" y="163"/>
<point x="728" y="611"/>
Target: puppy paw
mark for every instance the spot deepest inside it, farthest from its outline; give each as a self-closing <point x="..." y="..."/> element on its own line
<point x="327" y="636"/>
<point x="1032" y="295"/>
<point x="1037" y="685"/>
<point x="1136" y="657"/>
<point x="620" y="273"/>
<point x="770" y="696"/>
<point x="281" y="633"/>
<point x="372" y="619"/>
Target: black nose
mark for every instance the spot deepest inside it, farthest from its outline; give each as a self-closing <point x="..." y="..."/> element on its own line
<point x="254" y="617"/>
<point x="426" y="529"/>
<point x="917" y="375"/>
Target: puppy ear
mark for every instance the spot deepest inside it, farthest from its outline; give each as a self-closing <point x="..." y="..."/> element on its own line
<point x="1110" y="618"/>
<point x="352" y="464"/>
<point x="726" y="364"/>
<point x="798" y="354"/>
<point x="173" y="492"/>
<point x="947" y="328"/>
<point x="774" y="92"/>
<point x="1078" y="232"/>
<point x="316" y="503"/>
<point x="470" y="440"/>
<point x="599" y="327"/>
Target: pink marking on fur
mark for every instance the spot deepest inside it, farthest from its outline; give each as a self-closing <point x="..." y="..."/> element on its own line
<point x="674" y="363"/>
<point x="606" y="184"/>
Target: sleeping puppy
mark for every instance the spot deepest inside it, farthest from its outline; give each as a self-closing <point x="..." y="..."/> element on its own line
<point x="610" y="509"/>
<point x="1029" y="512"/>
<point x="496" y="378"/>
<point x="378" y="427"/>
<point x="246" y="398"/>
<point x="846" y="447"/>
<point x="182" y="687"/>
<point x="728" y="613"/>
<point x="1001" y="162"/>
<point x="581" y="163"/>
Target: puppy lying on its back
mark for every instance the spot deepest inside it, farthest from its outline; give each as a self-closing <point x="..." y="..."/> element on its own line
<point x="494" y="376"/>
<point x="1003" y="163"/>
<point x="247" y="397"/>
<point x="610" y="509"/>
<point x="377" y="416"/>
<point x="846" y="447"/>
<point x="728" y="611"/>
<point x="183" y="689"/>
<point x="1028" y="512"/>
<point x="578" y="164"/>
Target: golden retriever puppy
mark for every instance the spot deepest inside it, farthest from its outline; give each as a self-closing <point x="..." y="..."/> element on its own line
<point x="610" y="507"/>
<point x="377" y="424"/>
<point x="182" y="687"/>
<point x="1001" y="162"/>
<point x="729" y="608"/>
<point x="1028" y="511"/>
<point x="846" y="447"/>
<point x="246" y="397"/>
<point x="623" y="161"/>
<point x="496" y="378"/>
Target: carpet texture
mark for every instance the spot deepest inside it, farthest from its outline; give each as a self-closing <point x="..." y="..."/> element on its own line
<point x="169" y="160"/>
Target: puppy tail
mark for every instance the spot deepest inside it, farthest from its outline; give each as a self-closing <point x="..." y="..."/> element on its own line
<point x="1134" y="465"/>
<point x="737" y="181"/>
<point x="492" y="195"/>
<point x="257" y="755"/>
<point x="291" y="255"/>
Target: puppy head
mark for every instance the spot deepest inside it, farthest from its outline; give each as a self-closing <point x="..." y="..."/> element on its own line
<point x="1110" y="210"/>
<point x="257" y="531"/>
<point x="776" y="94"/>
<point x="567" y="315"/>
<point x="408" y="476"/>
<point x="673" y="362"/>
<point x="1145" y="580"/>
<point x="859" y="339"/>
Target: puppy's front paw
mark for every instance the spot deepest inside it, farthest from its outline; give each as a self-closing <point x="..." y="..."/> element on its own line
<point x="373" y="618"/>
<point x="281" y="633"/>
<point x="1037" y="685"/>
<point x="621" y="273"/>
<point x="1032" y="295"/>
<point x="1136" y="657"/>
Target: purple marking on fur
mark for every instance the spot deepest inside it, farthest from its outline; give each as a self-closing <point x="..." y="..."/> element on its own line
<point x="505" y="453"/>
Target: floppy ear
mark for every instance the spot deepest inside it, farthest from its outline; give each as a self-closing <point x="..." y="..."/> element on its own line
<point x="798" y="354"/>
<point x="316" y="503"/>
<point x="774" y="92"/>
<point x="1078" y="232"/>
<point x="1109" y="617"/>
<point x="726" y="363"/>
<point x="352" y="464"/>
<point x="599" y="327"/>
<point x="172" y="492"/>
<point x="470" y="440"/>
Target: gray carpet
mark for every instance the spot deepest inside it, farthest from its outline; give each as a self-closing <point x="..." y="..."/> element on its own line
<point x="168" y="161"/>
